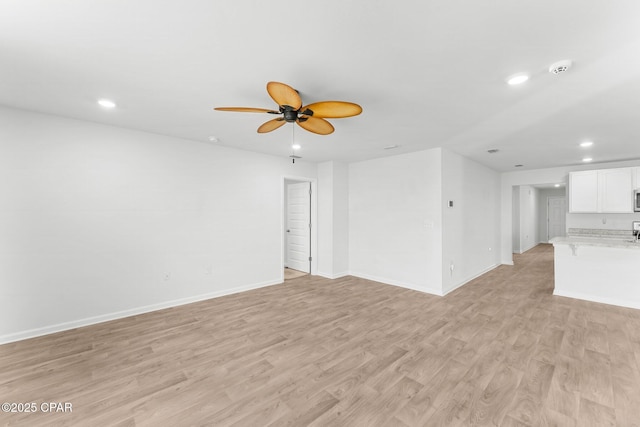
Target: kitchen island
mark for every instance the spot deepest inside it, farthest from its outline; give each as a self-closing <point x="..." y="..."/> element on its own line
<point x="600" y="269"/>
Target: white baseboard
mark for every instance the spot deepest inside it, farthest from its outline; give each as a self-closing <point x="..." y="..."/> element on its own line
<point x="333" y="276"/>
<point x="467" y="280"/>
<point x="32" y="333"/>
<point x="400" y="284"/>
<point x="602" y="300"/>
<point x="521" y="250"/>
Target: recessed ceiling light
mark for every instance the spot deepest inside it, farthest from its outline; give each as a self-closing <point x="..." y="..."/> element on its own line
<point x="214" y="139"/>
<point x="391" y="147"/>
<point x="107" y="103"/>
<point x="586" y="144"/>
<point x="517" y="79"/>
<point x="296" y="146"/>
<point x="493" y="151"/>
<point x="518" y="166"/>
<point x="557" y="185"/>
<point x="587" y="159"/>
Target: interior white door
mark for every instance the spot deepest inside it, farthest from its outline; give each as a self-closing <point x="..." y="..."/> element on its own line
<point x="556" y="217"/>
<point x="298" y="226"/>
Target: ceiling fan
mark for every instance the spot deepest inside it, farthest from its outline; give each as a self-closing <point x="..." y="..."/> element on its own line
<point x="310" y="117"/>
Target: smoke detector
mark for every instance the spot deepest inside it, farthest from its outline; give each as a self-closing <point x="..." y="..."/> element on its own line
<point x="560" y="66"/>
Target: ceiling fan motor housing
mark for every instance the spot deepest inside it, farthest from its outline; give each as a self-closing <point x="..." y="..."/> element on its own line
<point x="290" y="115"/>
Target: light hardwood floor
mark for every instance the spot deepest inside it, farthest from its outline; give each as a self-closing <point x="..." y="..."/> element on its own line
<point x="290" y="273"/>
<point x="501" y="350"/>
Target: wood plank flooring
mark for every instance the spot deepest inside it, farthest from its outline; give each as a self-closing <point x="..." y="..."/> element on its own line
<point x="290" y="273"/>
<point x="501" y="350"/>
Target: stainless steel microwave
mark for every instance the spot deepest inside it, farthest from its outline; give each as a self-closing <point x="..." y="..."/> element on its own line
<point x="636" y="200"/>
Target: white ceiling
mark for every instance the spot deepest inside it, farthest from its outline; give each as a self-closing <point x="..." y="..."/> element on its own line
<point x="427" y="73"/>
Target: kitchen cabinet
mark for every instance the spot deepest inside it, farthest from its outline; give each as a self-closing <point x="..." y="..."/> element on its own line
<point x="616" y="191"/>
<point x="636" y="178"/>
<point x="601" y="191"/>
<point x="583" y="191"/>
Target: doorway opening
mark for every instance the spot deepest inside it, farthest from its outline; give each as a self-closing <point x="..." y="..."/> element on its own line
<point x="556" y="217"/>
<point x="538" y="215"/>
<point x="299" y="236"/>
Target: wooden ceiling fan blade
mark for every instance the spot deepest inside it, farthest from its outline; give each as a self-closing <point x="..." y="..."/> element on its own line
<point x="271" y="125"/>
<point x="333" y="109"/>
<point x="284" y="95"/>
<point x="315" y="125"/>
<point x="247" y="110"/>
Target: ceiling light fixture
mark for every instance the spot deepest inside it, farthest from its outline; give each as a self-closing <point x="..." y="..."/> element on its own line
<point x="213" y="139"/>
<point x="106" y="103"/>
<point x="518" y="166"/>
<point x="391" y="147"/>
<point x="493" y="151"/>
<point x="586" y="144"/>
<point x="517" y="79"/>
<point x="587" y="159"/>
<point x="557" y="185"/>
<point x="296" y="146"/>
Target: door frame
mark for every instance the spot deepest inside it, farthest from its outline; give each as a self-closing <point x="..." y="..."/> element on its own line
<point x="549" y="217"/>
<point x="314" y="221"/>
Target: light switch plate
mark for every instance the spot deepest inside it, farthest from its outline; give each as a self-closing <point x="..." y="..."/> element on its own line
<point x="636" y="225"/>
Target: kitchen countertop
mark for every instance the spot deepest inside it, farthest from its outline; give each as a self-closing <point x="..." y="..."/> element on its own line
<point x="596" y="241"/>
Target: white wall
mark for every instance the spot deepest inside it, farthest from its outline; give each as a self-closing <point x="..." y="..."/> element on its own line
<point x="470" y="235"/>
<point x="543" y="199"/>
<point x="537" y="176"/>
<point x="99" y="222"/>
<point x="340" y="219"/>
<point x="515" y="219"/>
<point x="395" y="220"/>
<point x="333" y="252"/>
<point x="529" y="218"/>
<point x="401" y="230"/>
<point x="325" y="225"/>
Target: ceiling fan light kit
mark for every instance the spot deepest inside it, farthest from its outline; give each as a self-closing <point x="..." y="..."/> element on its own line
<point x="310" y="117"/>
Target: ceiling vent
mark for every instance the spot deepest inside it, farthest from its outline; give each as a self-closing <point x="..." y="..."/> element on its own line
<point x="560" y="66"/>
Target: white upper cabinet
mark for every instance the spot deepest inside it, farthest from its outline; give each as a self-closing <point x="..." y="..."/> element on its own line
<point x="605" y="191"/>
<point x="636" y="178"/>
<point x="616" y="191"/>
<point x="583" y="191"/>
